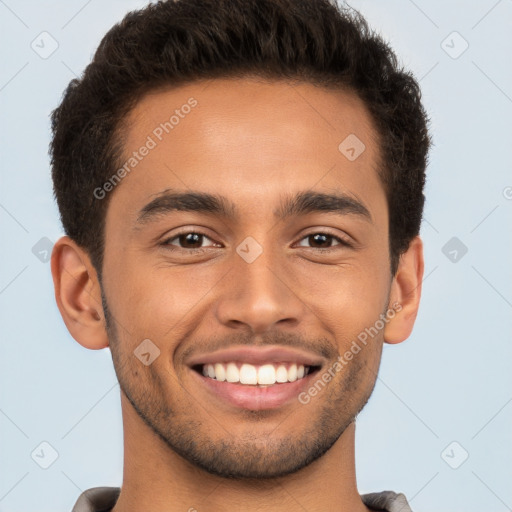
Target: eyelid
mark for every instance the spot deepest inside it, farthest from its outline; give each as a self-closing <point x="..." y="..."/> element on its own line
<point x="187" y="231"/>
<point x="343" y="240"/>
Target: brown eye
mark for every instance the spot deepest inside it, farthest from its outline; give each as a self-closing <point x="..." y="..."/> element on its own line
<point x="189" y="240"/>
<point x="322" y="241"/>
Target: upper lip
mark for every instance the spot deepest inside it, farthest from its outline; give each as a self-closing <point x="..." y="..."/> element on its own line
<point x="258" y="355"/>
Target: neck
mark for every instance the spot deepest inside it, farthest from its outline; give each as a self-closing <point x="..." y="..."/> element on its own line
<point x="158" y="479"/>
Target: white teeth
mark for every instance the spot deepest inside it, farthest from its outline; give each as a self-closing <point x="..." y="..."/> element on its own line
<point x="282" y="374"/>
<point x="292" y="373"/>
<point x="232" y="373"/>
<point x="265" y="375"/>
<point x="220" y="372"/>
<point x="248" y="374"/>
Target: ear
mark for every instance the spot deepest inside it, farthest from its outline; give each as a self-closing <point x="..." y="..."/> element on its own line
<point x="78" y="294"/>
<point x="405" y="293"/>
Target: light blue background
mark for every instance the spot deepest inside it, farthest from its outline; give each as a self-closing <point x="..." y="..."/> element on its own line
<point x="451" y="381"/>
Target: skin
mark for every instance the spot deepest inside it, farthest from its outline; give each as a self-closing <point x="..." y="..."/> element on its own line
<point x="254" y="142"/>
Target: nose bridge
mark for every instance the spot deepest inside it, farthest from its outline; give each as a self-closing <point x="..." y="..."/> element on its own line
<point x="257" y="293"/>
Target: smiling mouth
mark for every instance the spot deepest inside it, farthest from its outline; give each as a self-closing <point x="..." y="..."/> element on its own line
<point x="263" y="375"/>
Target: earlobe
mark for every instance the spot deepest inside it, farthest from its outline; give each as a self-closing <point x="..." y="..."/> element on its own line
<point x="405" y="293"/>
<point x="78" y="294"/>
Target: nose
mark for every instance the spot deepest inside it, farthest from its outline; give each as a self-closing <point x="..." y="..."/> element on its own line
<point x="259" y="296"/>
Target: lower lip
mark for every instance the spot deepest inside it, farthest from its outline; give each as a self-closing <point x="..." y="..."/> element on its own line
<point x="254" y="397"/>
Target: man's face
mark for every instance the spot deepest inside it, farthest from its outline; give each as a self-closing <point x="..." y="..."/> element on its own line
<point x="311" y="277"/>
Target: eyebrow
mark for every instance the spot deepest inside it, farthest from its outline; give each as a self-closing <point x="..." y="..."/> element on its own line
<point x="214" y="204"/>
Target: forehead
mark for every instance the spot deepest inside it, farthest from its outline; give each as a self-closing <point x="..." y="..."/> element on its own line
<point x="251" y="140"/>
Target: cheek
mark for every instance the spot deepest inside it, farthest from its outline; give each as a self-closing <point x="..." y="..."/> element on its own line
<point x="347" y="299"/>
<point x="162" y="302"/>
<point x="158" y="301"/>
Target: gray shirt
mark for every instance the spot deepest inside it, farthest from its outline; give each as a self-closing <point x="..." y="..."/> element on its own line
<point x="102" y="499"/>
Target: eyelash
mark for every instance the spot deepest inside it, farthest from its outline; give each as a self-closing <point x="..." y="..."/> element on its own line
<point x="342" y="242"/>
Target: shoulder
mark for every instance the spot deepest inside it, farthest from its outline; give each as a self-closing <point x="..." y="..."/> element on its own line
<point x="97" y="499"/>
<point x="386" y="501"/>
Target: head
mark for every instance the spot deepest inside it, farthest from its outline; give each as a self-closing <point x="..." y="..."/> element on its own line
<point x="241" y="173"/>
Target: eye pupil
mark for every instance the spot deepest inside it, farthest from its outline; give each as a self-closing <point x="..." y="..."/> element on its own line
<point x="320" y="238"/>
<point x="191" y="239"/>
